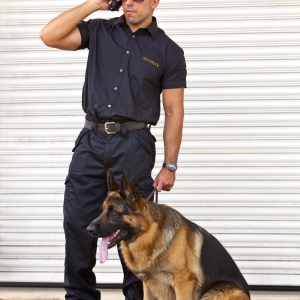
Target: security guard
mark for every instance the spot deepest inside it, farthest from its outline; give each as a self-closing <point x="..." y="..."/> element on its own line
<point x="130" y="63"/>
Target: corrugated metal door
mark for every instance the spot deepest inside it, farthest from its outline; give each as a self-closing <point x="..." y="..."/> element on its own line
<point x="239" y="165"/>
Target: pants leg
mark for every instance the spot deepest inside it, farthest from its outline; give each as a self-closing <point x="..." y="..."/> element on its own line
<point x="84" y="194"/>
<point x="86" y="189"/>
<point x="134" y="153"/>
<point x="132" y="286"/>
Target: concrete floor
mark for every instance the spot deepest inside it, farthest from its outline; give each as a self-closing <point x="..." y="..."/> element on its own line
<point x="58" y="294"/>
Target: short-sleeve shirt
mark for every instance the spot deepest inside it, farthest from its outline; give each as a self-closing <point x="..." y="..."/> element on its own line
<point x="126" y="72"/>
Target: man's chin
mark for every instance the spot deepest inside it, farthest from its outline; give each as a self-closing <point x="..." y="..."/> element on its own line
<point x="130" y="19"/>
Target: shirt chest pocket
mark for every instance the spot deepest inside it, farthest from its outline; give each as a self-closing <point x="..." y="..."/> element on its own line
<point x="147" y="69"/>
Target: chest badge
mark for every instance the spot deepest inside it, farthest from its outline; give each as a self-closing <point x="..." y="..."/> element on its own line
<point x="152" y="62"/>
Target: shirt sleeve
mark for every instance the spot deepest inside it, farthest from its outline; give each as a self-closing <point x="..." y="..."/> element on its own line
<point x="175" y="74"/>
<point x="87" y="29"/>
<point x="85" y="34"/>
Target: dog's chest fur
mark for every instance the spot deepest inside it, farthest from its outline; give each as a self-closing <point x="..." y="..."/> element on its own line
<point x="148" y="257"/>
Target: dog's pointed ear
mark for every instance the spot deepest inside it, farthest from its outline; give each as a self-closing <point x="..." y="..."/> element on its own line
<point x="112" y="183"/>
<point x="128" y="189"/>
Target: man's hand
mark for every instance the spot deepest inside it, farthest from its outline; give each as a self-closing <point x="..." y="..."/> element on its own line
<point x="99" y="4"/>
<point x="164" y="180"/>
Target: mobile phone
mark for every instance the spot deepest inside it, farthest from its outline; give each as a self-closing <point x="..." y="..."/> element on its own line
<point x="115" y="5"/>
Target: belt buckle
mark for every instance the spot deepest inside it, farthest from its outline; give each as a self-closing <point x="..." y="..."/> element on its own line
<point x="106" y="125"/>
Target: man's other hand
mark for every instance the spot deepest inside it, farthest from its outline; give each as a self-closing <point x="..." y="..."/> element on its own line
<point x="164" y="180"/>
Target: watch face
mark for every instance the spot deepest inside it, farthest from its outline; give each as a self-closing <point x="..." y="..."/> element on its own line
<point x="170" y="166"/>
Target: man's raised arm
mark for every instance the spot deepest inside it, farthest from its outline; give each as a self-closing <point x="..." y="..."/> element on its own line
<point x="62" y="32"/>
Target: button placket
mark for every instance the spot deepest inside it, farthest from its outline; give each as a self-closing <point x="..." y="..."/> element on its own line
<point x="119" y="76"/>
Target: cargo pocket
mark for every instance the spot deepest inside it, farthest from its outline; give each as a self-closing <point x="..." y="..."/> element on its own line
<point x="146" y="142"/>
<point x="80" y="136"/>
<point x="145" y="187"/>
<point x="66" y="198"/>
<point x="67" y="179"/>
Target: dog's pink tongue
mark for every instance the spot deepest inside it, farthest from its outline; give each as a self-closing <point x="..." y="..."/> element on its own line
<point x="103" y="253"/>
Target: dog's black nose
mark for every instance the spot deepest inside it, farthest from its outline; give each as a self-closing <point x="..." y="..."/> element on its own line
<point x="91" y="228"/>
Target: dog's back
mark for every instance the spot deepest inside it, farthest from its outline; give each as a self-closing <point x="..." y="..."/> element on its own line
<point x="220" y="272"/>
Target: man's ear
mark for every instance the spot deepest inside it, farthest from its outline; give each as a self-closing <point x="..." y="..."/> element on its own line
<point x="154" y="4"/>
<point x="128" y="190"/>
<point x="112" y="183"/>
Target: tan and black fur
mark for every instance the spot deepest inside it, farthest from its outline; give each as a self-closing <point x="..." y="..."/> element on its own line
<point x="175" y="258"/>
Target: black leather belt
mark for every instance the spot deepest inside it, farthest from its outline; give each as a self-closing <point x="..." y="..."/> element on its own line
<point x="114" y="127"/>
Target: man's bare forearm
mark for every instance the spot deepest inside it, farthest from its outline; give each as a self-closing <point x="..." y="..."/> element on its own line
<point x="60" y="32"/>
<point x="173" y="135"/>
<point x="174" y="113"/>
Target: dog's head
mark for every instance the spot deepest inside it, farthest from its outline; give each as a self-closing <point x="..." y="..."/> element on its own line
<point x="120" y="218"/>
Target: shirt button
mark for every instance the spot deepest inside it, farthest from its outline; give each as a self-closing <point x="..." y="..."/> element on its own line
<point x="109" y="105"/>
<point x="115" y="88"/>
<point x="127" y="52"/>
<point x="133" y="36"/>
<point x="121" y="70"/>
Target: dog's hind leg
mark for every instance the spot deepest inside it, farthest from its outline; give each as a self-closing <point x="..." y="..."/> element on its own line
<point x="224" y="291"/>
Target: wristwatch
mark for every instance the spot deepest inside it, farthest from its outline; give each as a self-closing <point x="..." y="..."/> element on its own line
<point x="171" y="166"/>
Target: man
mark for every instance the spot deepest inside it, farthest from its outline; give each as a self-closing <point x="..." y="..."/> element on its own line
<point x="131" y="61"/>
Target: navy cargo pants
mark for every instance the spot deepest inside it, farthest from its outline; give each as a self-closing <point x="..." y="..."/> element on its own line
<point x="86" y="188"/>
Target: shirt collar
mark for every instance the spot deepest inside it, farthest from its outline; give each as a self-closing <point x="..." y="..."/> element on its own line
<point x="152" y="28"/>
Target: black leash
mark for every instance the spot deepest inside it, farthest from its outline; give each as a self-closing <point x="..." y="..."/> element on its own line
<point x="152" y="193"/>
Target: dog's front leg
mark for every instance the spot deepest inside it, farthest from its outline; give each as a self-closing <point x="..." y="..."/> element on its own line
<point x="186" y="290"/>
<point x="147" y="293"/>
<point x="156" y="290"/>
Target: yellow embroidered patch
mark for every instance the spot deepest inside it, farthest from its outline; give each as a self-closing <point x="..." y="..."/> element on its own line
<point x="151" y="61"/>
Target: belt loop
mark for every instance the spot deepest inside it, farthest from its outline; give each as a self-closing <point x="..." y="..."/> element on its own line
<point x="124" y="131"/>
<point x="94" y="126"/>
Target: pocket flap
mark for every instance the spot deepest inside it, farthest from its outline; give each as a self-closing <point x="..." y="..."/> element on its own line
<point x="146" y="184"/>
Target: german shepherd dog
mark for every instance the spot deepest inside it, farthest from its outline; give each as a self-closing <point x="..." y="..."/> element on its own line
<point x="174" y="257"/>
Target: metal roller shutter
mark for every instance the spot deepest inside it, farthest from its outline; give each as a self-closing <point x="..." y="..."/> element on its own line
<point x="239" y="164"/>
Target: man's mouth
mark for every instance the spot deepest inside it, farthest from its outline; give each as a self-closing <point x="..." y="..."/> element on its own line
<point x="129" y="11"/>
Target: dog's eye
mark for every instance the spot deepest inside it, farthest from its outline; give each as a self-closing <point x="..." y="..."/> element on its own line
<point x="111" y="210"/>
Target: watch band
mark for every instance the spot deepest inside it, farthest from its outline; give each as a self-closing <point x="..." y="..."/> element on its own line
<point x="171" y="166"/>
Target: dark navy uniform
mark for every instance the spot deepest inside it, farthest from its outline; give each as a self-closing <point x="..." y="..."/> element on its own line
<point x="125" y="75"/>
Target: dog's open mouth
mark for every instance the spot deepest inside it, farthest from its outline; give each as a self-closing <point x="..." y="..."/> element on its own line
<point x="109" y="242"/>
<point x="116" y="237"/>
